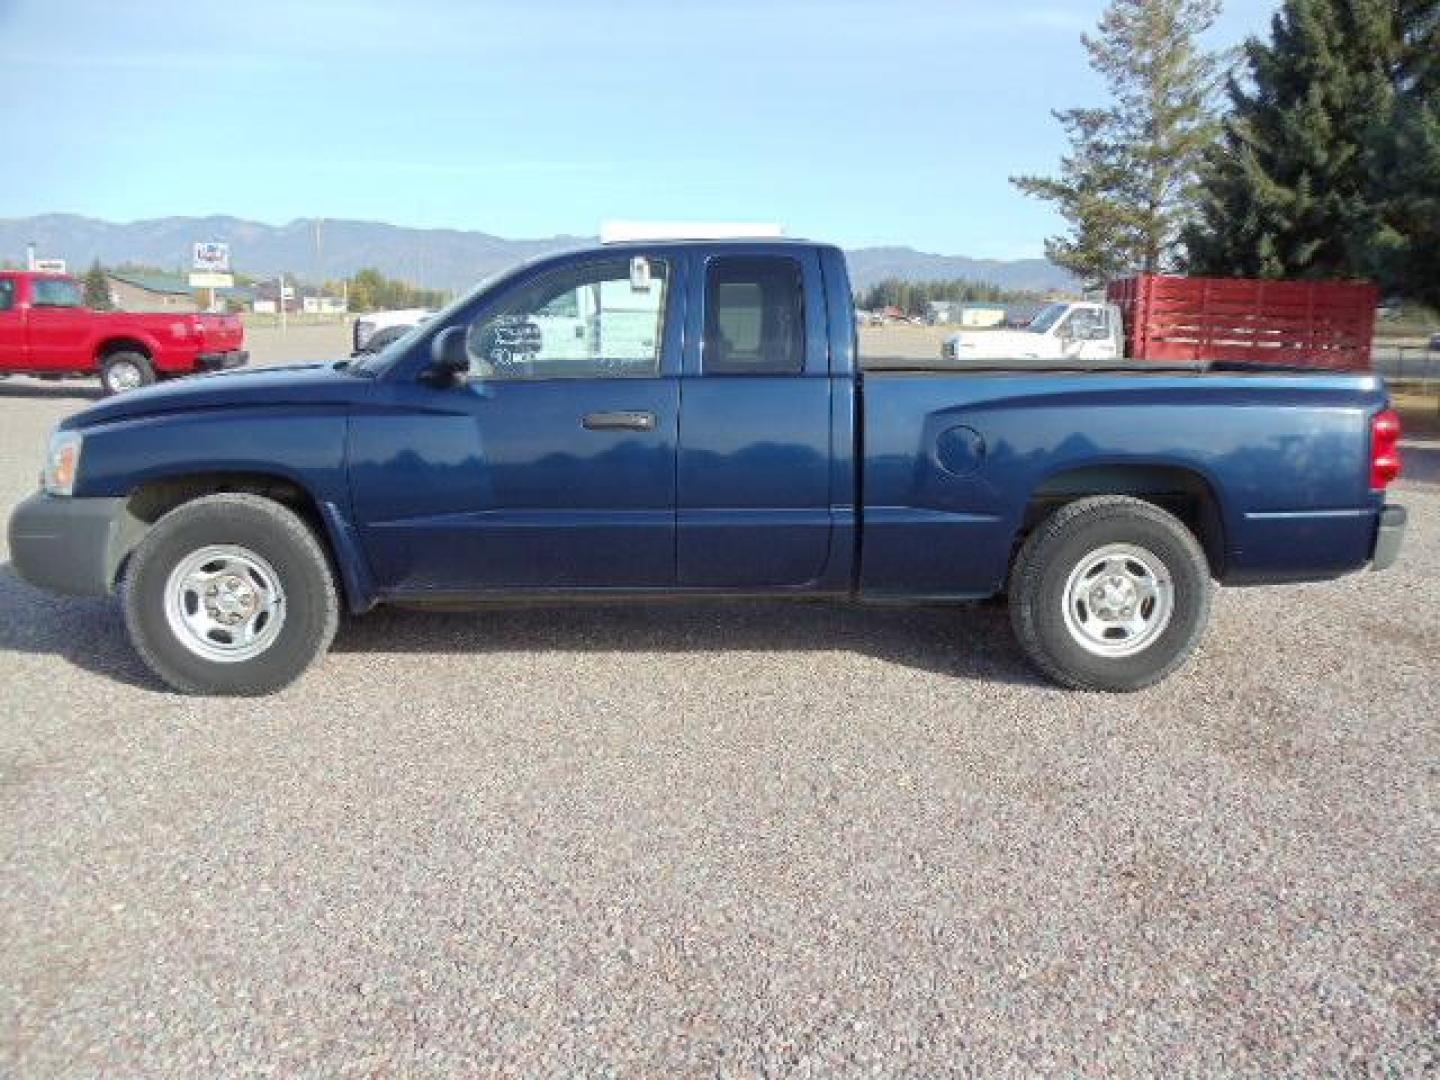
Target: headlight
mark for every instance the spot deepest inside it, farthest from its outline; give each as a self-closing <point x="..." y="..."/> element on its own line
<point x="62" y="463"/>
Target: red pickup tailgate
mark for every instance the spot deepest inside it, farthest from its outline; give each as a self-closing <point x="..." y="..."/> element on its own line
<point x="222" y="333"/>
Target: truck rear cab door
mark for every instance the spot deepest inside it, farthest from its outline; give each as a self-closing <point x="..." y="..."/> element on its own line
<point x="754" y="469"/>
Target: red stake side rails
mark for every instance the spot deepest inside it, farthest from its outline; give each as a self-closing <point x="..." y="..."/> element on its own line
<point x="1319" y="324"/>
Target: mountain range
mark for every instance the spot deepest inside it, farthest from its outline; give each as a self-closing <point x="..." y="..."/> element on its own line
<point x="453" y="259"/>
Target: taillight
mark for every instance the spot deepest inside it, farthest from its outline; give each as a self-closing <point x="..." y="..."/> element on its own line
<point x="1384" y="449"/>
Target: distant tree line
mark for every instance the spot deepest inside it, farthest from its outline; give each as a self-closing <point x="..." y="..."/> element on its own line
<point x="370" y="290"/>
<point x="1313" y="154"/>
<point x="911" y="297"/>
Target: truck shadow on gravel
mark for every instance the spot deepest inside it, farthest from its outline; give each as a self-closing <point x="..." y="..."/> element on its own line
<point x="1421" y="463"/>
<point x="54" y="391"/>
<point x="90" y="634"/>
<point x="969" y="641"/>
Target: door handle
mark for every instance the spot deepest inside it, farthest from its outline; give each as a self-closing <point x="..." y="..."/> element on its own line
<point x="625" y="420"/>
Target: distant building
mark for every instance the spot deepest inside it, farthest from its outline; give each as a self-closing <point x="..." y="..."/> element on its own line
<point x="299" y="300"/>
<point x="150" y="292"/>
<point x="236" y="296"/>
<point x="939" y="312"/>
<point x="981" y="314"/>
<point x="322" y="305"/>
<point x="267" y="299"/>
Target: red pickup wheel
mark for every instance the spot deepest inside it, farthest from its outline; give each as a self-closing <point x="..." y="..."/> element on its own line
<point x="1110" y="593"/>
<point x="125" y="370"/>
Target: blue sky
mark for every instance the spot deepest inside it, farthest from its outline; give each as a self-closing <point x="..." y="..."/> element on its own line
<point x="862" y="123"/>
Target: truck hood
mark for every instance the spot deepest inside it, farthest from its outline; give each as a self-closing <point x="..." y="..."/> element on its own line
<point x="996" y="344"/>
<point x="294" y="384"/>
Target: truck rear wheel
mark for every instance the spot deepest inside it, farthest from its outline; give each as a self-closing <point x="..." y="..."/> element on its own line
<point x="230" y="594"/>
<point x="121" y="371"/>
<point x="1109" y="593"/>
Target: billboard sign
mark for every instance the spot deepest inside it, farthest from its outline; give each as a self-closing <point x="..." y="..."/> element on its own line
<point x="211" y="257"/>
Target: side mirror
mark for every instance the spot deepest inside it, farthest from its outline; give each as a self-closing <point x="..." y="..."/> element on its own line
<point x="449" y="355"/>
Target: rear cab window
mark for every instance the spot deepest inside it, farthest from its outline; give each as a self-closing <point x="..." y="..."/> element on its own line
<point x="754" y="316"/>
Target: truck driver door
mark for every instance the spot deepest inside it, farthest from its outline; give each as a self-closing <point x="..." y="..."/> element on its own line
<point x="552" y="467"/>
<point x="1086" y="334"/>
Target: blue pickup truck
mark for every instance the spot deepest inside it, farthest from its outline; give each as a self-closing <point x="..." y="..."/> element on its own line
<point x="693" y="418"/>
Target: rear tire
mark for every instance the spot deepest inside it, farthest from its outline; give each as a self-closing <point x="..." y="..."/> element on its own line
<point x="1109" y="593"/>
<point x="230" y="594"/>
<point x="121" y="371"/>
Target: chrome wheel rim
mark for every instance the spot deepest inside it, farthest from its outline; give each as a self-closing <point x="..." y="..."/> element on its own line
<point x="123" y="375"/>
<point x="225" y="603"/>
<point x="1118" y="600"/>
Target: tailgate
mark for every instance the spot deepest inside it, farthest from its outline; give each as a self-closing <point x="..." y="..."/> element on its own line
<point x="222" y="333"/>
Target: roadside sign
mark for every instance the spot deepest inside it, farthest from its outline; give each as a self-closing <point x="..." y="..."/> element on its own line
<point x="50" y="266"/>
<point x="203" y="280"/>
<point x="212" y="257"/>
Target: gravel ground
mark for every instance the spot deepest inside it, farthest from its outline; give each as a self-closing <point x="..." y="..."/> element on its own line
<point x="729" y="840"/>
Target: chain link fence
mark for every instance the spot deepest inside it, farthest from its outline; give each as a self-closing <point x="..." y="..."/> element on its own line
<point x="1415" y="365"/>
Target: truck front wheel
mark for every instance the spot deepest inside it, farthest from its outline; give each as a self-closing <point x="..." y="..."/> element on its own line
<point x="1109" y="593"/>
<point x="230" y="594"/>
<point x="122" y="371"/>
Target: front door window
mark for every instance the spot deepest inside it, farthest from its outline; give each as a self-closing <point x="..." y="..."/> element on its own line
<point x="602" y="319"/>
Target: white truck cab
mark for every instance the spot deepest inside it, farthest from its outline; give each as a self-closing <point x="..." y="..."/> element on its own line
<point x="1069" y="330"/>
<point x="367" y="326"/>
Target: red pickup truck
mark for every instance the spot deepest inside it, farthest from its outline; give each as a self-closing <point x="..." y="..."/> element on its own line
<point x="46" y="330"/>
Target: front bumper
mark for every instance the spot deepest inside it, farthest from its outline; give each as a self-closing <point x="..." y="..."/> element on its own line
<point x="72" y="546"/>
<point x="221" y="361"/>
<point x="1388" y="537"/>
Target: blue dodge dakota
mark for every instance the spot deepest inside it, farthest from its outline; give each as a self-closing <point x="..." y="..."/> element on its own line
<point x="692" y="418"/>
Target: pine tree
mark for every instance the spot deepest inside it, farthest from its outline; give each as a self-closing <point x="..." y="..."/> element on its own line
<point x="1290" y="190"/>
<point x="1127" y="183"/>
<point x="97" y="288"/>
<point x="1403" y="162"/>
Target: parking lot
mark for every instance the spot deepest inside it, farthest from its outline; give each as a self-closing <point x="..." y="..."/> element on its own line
<point x="734" y="839"/>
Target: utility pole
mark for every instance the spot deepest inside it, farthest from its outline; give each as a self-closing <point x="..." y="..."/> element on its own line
<point x="284" y="322"/>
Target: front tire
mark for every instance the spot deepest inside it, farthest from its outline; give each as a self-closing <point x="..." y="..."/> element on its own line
<point x="230" y="594"/>
<point x="121" y="371"/>
<point x="1109" y="593"/>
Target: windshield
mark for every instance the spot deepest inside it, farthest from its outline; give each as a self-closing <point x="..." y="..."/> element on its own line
<point x="1046" y="317"/>
<point x="58" y="292"/>
<point x="374" y="363"/>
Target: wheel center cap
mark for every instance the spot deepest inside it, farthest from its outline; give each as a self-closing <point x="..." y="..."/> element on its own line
<point x="1112" y="596"/>
<point x="233" y="596"/>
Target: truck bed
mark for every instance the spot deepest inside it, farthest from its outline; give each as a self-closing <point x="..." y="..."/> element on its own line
<point x="953" y="459"/>
<point x="1034" y="365"/>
